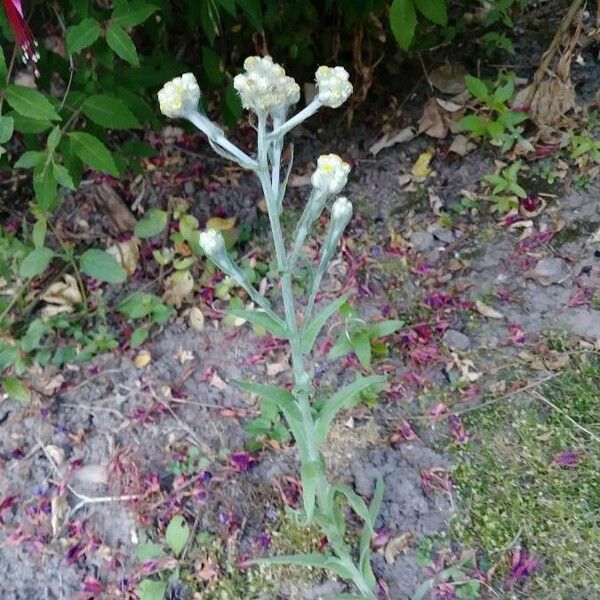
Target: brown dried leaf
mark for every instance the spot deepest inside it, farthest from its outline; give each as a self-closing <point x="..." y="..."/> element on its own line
<point x="127" y="254"/>
<point x="448" y="78"/>
<point x="392" y="138"/>
<point x="487" y="311"/>
<point x="397" y="545"/>
<point x="439" y="117"/>
<point x="120" y="218"/>
<point x="178" y="287"/>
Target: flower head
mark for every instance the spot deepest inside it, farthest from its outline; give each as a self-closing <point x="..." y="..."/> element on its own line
<point x="213" y="244"/>
<point x="333" y="87"/>
<point x="265" y="87"/>
<point x="341" y="212"/>
<point x="331" y="174"/>
<point x="180" y="96"/>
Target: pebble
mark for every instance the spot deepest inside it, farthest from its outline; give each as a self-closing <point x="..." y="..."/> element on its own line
<point x="455" y="340"/>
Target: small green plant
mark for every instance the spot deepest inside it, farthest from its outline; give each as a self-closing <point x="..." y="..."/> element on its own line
<point x="494" y="120"/>
<point x="364" y="339"/>
<point x="177" y="535"/>
<point x="506" y="190"/>
<point x="583" y="145"/>
<point x="545" y="170"/>
<point x="146" y="306"/>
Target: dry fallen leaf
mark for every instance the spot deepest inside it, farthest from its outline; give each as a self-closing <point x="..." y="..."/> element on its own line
<point x="220" y="224"/>
<point x="120" y="218"/>
<point x="93" y="474"/>
<point x="178" y="287"/>
<point x="274" y="369"/>
<point x="439" y="117"/>
<point x="462" y="145"/>
<point x="217" y="382"/>
<point x="59" y="508"/>
<point x="55" y="453"/>
<point x="61" y="297"/>
<point x="421" y="169"/>
<point x="487" y="311"/>
<point x="397" y="545"/>
<point x="391" y="138"/>
<point x="196" y="318"/>
<point x="143" y="359"/>
<point x="448" y="78"/>
<point x="127" y="254"/>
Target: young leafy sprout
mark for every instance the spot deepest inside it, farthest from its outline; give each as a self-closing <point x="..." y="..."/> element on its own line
<point x="267" y="91"/>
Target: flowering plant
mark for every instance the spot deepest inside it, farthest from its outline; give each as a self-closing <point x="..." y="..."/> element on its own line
<point x="267" y="91"/>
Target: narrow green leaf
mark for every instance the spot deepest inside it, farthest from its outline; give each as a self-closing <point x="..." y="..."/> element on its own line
<point x="38" y="234"/>
<point x="82" y="35"/>
<point x="342" y="347"/>
<point x="45" y="186"/>
<point x="260" y="318"/>
<point x="309" y="474"/>
<point x="318" y="561"/>
<point x="311" y="331"/>
<point x="101" y="266"/>
<point x="7" y="127"/>
<point x="120" y="42"/>
<point x="109" y="112"/>
<point x="504" y="93"/>
<point x="3" y="69"/>
<point x="345" y="398"/>
<point x="153" y="223"/>
<point x="36" y="262"/>
<point x="130" y="14"/>
<point x="434" y="10"/>
<point x="253" y="10"/>
<point x="403" y="21"/>
<point x="177" y="534"/>
<point x="30" y="103"/>
<point x="93" y="152"/>
<point x="16" y="389"/>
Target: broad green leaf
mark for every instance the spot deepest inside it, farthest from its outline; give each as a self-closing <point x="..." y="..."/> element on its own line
<point x="149" y="589"/>
<point x="109" y="112"/>
<point x="62" y="176"/>
<point x="177" y="534"/>
<point x="311" y="332"/>
<point x="130" y="14"/>
<point x="101" y="266"/>
<point x="29" y="159"/>
<point x="93" y="152"/>
<point x="495" y="129"/>
<point x="7" y="127"/>
<point x="139" y="336"/>
<point x="403" y="21"/>
<point x="473" y="124"/>
<point x="30" y="103"/>
<point x="153" y="223"/>
<point x="138" y="305"/>
<point x="148" y="550"/>
<point x="229" y="6"/>
<point x="36" y="262"/>
<point x="434" y="10"/>
<point x="53" y="139"/>
<point x="384" y="328"/>
<point x="213" y="66"/>
<point x="361" y="344"/>
<point x="505" y="92"/>
<point x="477" y="87"/>
<point x="33" y="336"/>
<point x="29" y="125"/>
<point x="120" y="42"/>
<point x="345" y="398"/>
<point x="82" y="35"/>
<point x="262" y="319"/>
<point x="16" y="389"/>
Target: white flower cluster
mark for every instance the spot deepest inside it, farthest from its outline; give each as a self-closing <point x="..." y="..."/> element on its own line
<point x="180" y="96"/>
<point x="265" y="87"/>
<point x="333" y="87"/>
<point x="331" y="174"/>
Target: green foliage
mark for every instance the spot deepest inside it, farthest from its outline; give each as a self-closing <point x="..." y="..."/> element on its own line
<point x="494" y="120"/>
<point x="506" y="190"/>
<point x="362" y="338"/>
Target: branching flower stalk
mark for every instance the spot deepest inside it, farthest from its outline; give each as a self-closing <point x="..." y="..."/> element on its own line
<point x="269" y="93"/>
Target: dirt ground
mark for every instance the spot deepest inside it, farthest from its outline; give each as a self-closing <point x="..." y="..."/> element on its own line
<point x="86" y="473"/>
